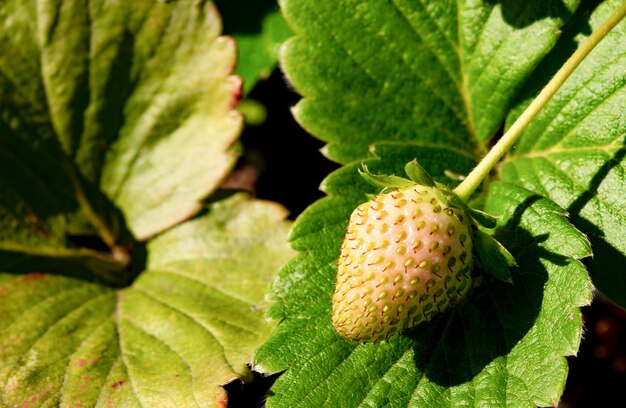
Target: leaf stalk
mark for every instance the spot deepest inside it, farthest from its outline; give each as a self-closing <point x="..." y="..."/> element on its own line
<point x="493" y="157"/>
<point x="119" y="254"/>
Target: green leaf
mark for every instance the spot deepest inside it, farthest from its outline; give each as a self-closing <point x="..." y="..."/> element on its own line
<point x="117" y="117"/>
<point x="494" y="258"/>
<point x="482" y="218"/>
<point x="188" y="324"/>
<point x="504" y="347"/>
<point x="418" y="174"/>
<point x="573" y="152"/>
<point x="259" y="30"/>
<point x="384" y="180"/>
<point x="380" y="80"/>
<point x="133" y="99"/>
<point x="439" y="160"/>
<point x="38" y="210"/>
<point x="445" y="73"/>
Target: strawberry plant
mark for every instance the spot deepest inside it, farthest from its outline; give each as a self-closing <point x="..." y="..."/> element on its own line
<point x="133" y="274"/>
<point x="384" y="83"/>
<point x="127" y="276"/>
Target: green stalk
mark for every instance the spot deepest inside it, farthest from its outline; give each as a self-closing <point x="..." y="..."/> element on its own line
<point x="119" y="255"/>
<point x="480" y="172"/>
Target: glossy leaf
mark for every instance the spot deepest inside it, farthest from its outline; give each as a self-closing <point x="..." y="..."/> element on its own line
<point x="495" y="259"/>
<point x="443" y="72"/>
<point x="385" y="83"/>
<point x="573" y="153"/>
<point x="505" y="346"/>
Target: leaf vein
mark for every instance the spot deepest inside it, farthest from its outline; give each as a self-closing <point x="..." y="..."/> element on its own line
<point x="50" y="327"/>
<point x="140" y="328"/>
<point x="380" y="84"/>
<point x="122" y="352"/>
<point x="582" y="86"/>
<point x="381" y="377"/>
<point x="605" y="99"/>
<point x="454" y="46"/>
<point x="117" y="361"/>
<point x="69" y="361"/>
<point x="181" y="274"/>
<point x="336" y="365"/>
<point x="582" y="188"/>
<point x="130" y="165"/>
<point x="423" y="41"/>
<point x="195" y="320"/>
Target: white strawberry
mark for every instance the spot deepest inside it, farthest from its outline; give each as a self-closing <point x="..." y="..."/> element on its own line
<point x="407" y="256"/>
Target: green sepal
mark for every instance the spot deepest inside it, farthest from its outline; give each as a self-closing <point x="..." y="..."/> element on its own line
<point x="494" y="258"/>
<point x="371" y="197"/>
<point x="417" y="174"/>
<point x="385" y="181"/>
<point x="484" y="219"/>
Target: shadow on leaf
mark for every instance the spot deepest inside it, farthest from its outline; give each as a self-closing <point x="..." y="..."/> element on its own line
<point x="456" y="347"/>
<point x="606" y="258"/>
<point x="576" y="26"/>
<point x="521" y="14"/>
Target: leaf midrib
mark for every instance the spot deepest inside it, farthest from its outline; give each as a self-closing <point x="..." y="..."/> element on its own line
<point x="544" y="130"/>
<point x="71" y="357"/>
<point x="80" y="306"/>
<point x="557" y="149"/>
<point x="479" y="148"/>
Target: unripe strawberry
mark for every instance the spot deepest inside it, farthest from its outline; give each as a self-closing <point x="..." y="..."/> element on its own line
<point x="406" y="257"/>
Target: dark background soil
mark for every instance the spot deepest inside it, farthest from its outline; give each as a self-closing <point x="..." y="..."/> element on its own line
<point x="291" y="169"/>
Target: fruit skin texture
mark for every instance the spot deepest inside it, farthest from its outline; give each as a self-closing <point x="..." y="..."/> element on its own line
<point x="406" y="257"/>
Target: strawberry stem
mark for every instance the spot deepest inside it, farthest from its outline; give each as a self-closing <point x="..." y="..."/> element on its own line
<point x="480" y="172"/>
